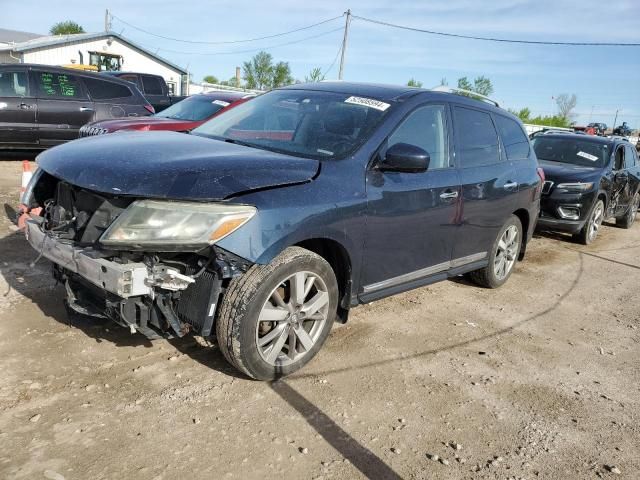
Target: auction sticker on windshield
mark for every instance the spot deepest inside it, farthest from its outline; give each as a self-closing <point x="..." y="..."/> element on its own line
<point x="588" y="156"/>
<point x="368" y="102"/>
<point x="222" y="103"/>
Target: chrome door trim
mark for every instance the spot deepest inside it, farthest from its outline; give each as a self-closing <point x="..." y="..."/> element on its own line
<point x="424" y="272"/>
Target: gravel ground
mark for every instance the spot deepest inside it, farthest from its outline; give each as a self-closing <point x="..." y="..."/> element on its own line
<point x="538" y="379"/>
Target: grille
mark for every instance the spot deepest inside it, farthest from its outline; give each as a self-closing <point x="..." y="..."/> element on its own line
<point x="197" y="304"/>
<point x="546" y="188"/>
<point x="88" y="131"/>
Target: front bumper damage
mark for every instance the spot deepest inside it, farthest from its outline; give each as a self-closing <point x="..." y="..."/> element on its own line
<point x="150" y="299"/>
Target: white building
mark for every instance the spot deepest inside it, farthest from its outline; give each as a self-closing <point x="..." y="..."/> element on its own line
<point x="105" y="50"/>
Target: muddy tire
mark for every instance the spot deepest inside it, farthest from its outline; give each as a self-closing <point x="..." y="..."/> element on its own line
<point x="275" y="317"/>
<point x="502" y="257"/>
<point x="589" y="232"/>
<point x="630" y="217"/>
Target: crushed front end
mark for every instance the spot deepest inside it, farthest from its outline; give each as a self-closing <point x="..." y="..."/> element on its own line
<point x="112" y="266"/>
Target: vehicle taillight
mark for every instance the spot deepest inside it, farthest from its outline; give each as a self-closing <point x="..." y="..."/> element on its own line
<point x="150" y="108"/>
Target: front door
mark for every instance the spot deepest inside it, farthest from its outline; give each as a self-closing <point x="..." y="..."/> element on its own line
<point x="17" y="109"/>
<point x="489" y="186"/>
<point x="412" y="217"/>
<point x="63" y="106"/>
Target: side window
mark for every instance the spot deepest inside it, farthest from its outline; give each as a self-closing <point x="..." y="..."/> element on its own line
<point x="426" y="128"/>
<point x="618" y="163"/>
<point x="477" y="138"/>
<point x="59" y="85"/>
<point x="151" y="85"/>
<point x="13" y="84"/>
<point x="103" y="90"/>
<point x="630" y="159"/>
<point x="516" y="143"/>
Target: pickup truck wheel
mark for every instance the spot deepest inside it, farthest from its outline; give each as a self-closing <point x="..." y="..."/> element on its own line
<point x="630" y="217"/>
<point x="275" y="317"/>
<point x="503" y="256"/>
<point x="590" y="230"/>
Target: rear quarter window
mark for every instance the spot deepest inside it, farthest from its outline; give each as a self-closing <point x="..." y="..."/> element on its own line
<point x="516" y="143"/>
<point x="152" y="85"/>
<point x="477" y="138"/>
<point x="105" y="90"/>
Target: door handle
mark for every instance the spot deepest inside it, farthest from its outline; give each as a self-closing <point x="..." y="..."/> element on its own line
<point x="510" y="185"/>
<point x="86" y="109"/>
<point x="449" y="194"/>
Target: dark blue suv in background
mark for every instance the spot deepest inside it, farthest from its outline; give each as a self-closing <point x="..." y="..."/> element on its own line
<point x="273" y="219"/>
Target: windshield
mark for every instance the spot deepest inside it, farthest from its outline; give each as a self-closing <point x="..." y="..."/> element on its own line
<point x="193" y="109"/>
<point x="304" y="123"/>
<point x="571" y="150"/>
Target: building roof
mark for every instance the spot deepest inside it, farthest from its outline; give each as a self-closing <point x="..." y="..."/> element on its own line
<point x="15" y="36"/>
<point x="56" y="40"/>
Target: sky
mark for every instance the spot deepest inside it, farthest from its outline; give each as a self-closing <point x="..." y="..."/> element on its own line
<point x="604" y="79"/>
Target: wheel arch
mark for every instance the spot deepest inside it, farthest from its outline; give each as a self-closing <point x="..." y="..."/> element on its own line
<point x="523" y="216"/>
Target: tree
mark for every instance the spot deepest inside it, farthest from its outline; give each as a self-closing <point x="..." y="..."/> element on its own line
<point x="414" y="83"/>
<point x="261" y="73"/>
<point x="315" y="75"/>
<point x="481" y="85"/>
<point x="566" y="103"/>
<point x="524" y="114"/>
<point x="65" y="28"/>
<point x="210" y="79"/>
<point x="444" y="82"/>
<point x="548" y="121"/>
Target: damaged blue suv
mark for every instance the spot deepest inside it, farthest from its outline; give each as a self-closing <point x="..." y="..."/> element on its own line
<point x="275" y="218"/>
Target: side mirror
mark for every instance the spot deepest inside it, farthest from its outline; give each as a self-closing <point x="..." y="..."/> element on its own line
<point x="402" y="157"/>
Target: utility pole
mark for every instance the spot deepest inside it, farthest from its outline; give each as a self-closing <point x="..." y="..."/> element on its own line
<point x="107" y="20"/>
<point x="615" y="120"/>
<point x="344" y="43"/>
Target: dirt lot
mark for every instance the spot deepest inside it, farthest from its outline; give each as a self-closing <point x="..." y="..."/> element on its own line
<point x="538" y="379"/>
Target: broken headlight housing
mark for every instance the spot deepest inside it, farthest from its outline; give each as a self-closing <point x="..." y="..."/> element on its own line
<point x="154" y="223"/>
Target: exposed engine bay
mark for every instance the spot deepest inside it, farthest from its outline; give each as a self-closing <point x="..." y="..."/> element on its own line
<point x="152" y="292"/>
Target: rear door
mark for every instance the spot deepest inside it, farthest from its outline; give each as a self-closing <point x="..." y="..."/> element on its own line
<point x="113" y="100"/>
<point x="155" y="90"/>
<point x="489" y="188"/>
<point x="63" y="106"/>
<point x="17" y="108"/>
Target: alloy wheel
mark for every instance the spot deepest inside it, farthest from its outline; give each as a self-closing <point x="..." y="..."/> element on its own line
<point x="506" y="253"/>
<point x="596" y="221"/>
<point x="292" y="319"/>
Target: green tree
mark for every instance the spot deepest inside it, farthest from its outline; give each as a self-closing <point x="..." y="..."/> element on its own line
<point x="444" y="82"/>
<point x="65" y="28"/>
<point x="481" y="85"/>
<point x="210" y="79"/>
<point x="524" y="114"/>
<point x="414" y="83"/>
<point x="261" y="73"/>
<point x="315" y="75"/>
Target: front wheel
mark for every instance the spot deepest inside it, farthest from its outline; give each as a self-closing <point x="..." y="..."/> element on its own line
<point x="275" y="317"/>
<point x="590" y="230"/>
<point x="630" y="217"/>
<point x="502" y="257"/>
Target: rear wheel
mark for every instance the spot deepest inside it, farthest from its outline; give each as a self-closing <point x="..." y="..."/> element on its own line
<point x="502" y="257"/>
<point x="275" y="318"/>
<point x="630" y="217"/>
<point x="590" y="230"/>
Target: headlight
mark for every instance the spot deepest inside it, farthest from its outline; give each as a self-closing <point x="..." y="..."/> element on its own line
<point x="575" y="187"/>
<point x="151" y="222"/>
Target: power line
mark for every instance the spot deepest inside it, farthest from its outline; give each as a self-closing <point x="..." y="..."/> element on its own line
<point x="247" y="51"/>
<point x="229" y="41"/>
<point x="335" y="59"/>
<point x="492" y="39"/>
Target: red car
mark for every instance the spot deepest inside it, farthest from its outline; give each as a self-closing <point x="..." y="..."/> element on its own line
<point x="183" y="116"/>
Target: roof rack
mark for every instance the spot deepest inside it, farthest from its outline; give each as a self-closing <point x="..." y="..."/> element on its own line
<point x="448" y="89"/>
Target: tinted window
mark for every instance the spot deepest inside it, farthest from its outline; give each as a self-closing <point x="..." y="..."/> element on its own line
<point x="129" y="78"/>
<point x="629" y="156"/>
<point x="103" y="90"/>
<point x="515" y="141"/>
<point x="575" y="150"/>
<point x="58" y="85"/>
<point x="425" y="128"/>
<point x="152" y="85"/>
<point x="477" y="138"/>
<point x="13" y="84"/>
<point x="195" y="108"/>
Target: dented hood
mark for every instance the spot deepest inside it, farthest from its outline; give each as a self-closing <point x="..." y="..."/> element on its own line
<point x="171" y="165"/>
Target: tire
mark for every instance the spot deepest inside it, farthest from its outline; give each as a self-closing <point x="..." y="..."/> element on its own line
<point x="589" y="232"/>
<point x="629" y="217"/>
<point x="506" y="248"/>
<point x="288" y="336"/>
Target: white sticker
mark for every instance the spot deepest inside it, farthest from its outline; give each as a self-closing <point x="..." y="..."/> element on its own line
<point x="221" y="103"/>
<point x="368" y="102"/>
<point x="588" y="156"/>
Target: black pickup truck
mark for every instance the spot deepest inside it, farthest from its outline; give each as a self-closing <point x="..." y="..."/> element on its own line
<point x="154" y="88"/>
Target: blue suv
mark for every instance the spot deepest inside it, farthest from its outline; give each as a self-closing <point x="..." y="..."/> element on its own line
<point x="275" y="218"/>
